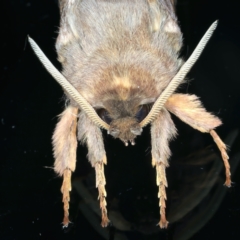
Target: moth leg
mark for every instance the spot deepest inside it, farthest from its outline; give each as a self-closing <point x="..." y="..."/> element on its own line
<point x="162" y="184"/>
<point x="91" y="134"/>
<point x="64" y="147"/>
<point x="162" y="131"/>
<point x="222" y="147"/>
<point x="190" y="110"/>
<point x="65" y="189"/>
<point x="100" y="184"/>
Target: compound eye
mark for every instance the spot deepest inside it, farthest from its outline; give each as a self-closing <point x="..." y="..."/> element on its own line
<point x="143" y="112"/>
<point x="104" y="115"/>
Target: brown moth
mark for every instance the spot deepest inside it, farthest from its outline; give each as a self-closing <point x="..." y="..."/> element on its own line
<point x="121" y="67"/>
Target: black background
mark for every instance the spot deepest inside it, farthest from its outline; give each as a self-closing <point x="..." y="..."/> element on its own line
<point x="30" y="100"/>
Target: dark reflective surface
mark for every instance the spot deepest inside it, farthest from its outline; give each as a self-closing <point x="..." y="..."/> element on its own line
<point x="198" y="206"/>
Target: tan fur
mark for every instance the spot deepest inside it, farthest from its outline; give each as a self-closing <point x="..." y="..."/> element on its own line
<point x="155" y="15"/>
<point x="190" y="110"/>
<point x="65" y="141"/>
<point x="122" y="85"/>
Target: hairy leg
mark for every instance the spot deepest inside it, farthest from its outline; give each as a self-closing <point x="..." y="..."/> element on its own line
<point x="90" y="134"/>
<point x="162" y="131"/>
<point x="64" y="147"/>
<point x="190" y="110"/>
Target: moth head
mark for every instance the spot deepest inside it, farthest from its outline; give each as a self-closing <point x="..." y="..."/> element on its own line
<point x="124" y="118"/>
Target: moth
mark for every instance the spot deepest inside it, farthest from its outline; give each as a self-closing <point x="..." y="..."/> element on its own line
<point x="120" y="70"/>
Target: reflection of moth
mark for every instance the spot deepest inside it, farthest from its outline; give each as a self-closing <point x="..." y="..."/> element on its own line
<point x="121" y="67"/>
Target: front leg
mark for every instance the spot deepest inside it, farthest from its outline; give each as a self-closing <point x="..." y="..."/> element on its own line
<point x="91" y="134"/>
<point x="190" y="110"/>
<point x="162" y="131"/>
<point x="64" y="147"/>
